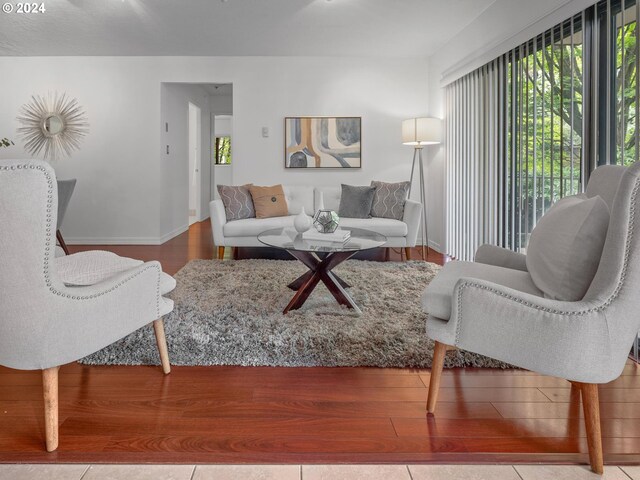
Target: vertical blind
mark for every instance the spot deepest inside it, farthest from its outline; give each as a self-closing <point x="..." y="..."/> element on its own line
<point x="526" y="129"/>
<point x="475" y="129"/>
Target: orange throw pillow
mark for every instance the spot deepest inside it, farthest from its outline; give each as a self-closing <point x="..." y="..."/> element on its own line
<point x="269" y="201"/>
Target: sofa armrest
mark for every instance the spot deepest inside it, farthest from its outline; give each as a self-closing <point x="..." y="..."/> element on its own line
<point x="218" y="221"/>
<point x="412" y="212"/>
<point x="501" y="257"/>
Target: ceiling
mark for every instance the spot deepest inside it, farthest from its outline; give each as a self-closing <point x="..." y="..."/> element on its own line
<point x="385" y="28"/>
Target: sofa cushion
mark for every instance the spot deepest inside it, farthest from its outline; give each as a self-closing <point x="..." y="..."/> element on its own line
<point x="237" y="202"/>
<point x="330" y="198"/>
<point x="298" y="197"/>
<point x="356" y="201"/>
<point x="565" y="247"/>
<point x="384" y="226"/>
<point x="252" y="227"/>
<point x="269" y="201"/>
<point x="389" y="199"/>
<point x="437" y="297"/>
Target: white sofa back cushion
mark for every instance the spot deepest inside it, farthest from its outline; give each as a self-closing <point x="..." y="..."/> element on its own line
<point x="331" y="197"/>
<point x="297" y="197"/>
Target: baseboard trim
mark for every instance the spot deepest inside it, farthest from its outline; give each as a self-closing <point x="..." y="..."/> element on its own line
<point x="435" y="246"/>
<point x="126" y="240"/>
<point x="178" y="231"/>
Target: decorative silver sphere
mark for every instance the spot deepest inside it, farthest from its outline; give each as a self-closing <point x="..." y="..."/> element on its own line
<point x="326" y="221"/>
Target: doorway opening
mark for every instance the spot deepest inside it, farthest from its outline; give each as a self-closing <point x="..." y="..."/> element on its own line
<point x="195" y="162"/>
<point x="187" y="152"/>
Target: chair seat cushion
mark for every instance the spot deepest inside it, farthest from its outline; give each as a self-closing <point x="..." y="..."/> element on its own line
<point x="388" y="227"/>
<point x="437" y="297"/>
<point x="89" y="268"/>
<point x="252" y="227"/>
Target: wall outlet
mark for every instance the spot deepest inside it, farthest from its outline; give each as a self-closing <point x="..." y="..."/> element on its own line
<point x="265" y="132"/>
<point x="167" y="149"/>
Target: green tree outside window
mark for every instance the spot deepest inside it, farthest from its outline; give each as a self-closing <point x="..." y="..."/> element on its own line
<point x="223" y="151"/>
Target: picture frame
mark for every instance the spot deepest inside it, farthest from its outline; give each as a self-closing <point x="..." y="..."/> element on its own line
<point x="323" y="142"/>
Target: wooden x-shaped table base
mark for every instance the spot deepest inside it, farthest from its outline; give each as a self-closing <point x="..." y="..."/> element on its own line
<point x="320" y="271"/>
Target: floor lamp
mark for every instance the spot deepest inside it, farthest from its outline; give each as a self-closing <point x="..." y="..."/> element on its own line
<point x="419" y="132"/>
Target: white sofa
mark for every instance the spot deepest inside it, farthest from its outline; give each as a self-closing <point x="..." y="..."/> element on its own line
<point x="244" y="233"/>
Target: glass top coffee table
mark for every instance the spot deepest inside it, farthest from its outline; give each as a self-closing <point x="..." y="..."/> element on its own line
<point x="321" y="257"/>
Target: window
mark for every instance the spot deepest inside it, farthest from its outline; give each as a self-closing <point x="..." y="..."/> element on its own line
<point x="545" y="85"/>
<point x="223" y="151"/>
<point x="618" y="92"/>
<point x="558" y="133"/>
<point x="528" y="128"/>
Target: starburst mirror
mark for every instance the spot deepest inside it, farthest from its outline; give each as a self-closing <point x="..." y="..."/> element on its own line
<point x="55" y="124"/>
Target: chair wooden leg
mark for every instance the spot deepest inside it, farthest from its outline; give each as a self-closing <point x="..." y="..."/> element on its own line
<point x="161" y="340"/>
<point x="407" y="251"/>
<point x="439" y="352"/>
<point x="220" y="253"/>
<point x="592" y="420"/>
<point x="63" y="245"/>
<point x="50" y="390"/>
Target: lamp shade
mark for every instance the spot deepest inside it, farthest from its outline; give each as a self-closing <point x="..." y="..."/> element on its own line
<point x="422" y="131"/>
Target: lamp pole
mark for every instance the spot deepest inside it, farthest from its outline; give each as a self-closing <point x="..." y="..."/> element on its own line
<point x="417" y="154"/>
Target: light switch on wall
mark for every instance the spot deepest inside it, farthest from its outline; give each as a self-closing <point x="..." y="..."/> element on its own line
<point x="265" y="132"/>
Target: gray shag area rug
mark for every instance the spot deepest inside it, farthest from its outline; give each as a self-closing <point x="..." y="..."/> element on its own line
<point x="230" y="313"/>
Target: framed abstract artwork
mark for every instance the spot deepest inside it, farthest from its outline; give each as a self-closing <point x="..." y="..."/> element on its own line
<point x="323" y="142"/>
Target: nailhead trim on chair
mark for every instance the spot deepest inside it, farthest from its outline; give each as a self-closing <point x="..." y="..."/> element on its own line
<point x="48" y="251"/>
<point x="604" y="305"/>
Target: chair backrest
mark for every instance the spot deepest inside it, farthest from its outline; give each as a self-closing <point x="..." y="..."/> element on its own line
<point x="65" y="190"/>
<point x="604" y="181"/>
<point x="28" y="211"/>
<point x="616" y="285"/>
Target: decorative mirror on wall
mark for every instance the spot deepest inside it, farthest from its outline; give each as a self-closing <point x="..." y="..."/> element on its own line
<point x="54" y="123"/>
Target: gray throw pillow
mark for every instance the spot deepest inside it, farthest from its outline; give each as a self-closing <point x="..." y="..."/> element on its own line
<point x="565" y="247"/>
<point x="355" y="202"/>
<point x="389" y="200"/>
<point x="237" y="201"/>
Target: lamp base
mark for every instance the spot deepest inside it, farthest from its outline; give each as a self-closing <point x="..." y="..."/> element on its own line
<point x="417" y="155"/>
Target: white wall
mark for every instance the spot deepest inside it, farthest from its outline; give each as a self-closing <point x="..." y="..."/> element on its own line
<point x="126" y="186"/>
<point x="174" y="171"/>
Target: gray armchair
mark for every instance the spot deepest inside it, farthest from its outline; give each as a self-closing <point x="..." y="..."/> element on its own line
<point x="493" y="307"/>
<point x="44" y="322"/>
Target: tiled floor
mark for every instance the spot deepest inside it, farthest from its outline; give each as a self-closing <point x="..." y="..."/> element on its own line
<point x="312" y="472"/>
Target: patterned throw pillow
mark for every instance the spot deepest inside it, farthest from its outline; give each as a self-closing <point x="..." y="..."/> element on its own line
<point x="237" y="202"/>
<point x="389" y="200"/>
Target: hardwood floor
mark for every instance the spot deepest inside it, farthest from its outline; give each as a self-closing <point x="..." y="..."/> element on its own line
<point x="306" y="415"/>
